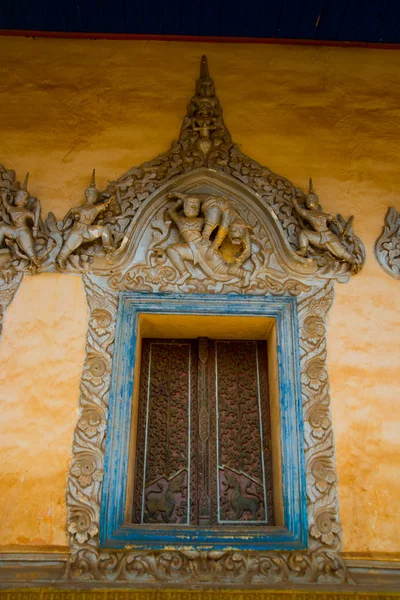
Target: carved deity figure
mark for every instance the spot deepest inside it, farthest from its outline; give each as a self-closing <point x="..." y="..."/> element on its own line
<point x="204" y="135"/>
<point x="219" y="213"/>
<point x="25" y="223"/>
<point x="321" y="236"/>
<point x="196" y="231"/>
<point x="84" y="228"/>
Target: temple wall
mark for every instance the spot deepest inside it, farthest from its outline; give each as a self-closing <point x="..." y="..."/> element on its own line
<point x="69" y="106"/>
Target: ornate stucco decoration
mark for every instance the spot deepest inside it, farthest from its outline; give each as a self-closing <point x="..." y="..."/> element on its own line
<point x="26" y="242"/>
<point x="387" y="247"/>
<point x="202" y="217"/>
<point x="205" y="218"/>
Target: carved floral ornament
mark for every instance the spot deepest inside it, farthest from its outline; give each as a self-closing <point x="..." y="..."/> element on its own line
<point x="202" y="217"/>
<point x="387" y="247"/>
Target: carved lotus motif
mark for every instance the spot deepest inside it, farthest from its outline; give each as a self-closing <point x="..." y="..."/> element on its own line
<point x="82" y="527"/>
<point x="321" y="306"/>
<point x="314" y="374"/>
<point x="326" y="528"/>
<point x="97" y="368"/>
<point x="100" y="320"/>
<point x="92" y="422"/>
<point x="323" y="474"/>
<point x="85" y="469"/>
<point x="318" y="418"/>
<point x="314" y="329"/>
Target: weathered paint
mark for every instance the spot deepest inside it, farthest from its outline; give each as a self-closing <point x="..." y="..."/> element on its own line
<point x="115" y="532"/>
<point x="42" y="343"/>
<point x="70" y="105"/>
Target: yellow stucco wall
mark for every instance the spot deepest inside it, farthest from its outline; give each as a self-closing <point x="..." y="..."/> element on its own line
<point x="69" y="106"/>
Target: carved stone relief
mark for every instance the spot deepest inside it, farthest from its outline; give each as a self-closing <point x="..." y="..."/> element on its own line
<point x="222" y="248"/>
<point x="387" y="247"/>
<point x="25" y="241"/>
<point x="202" y="217"/>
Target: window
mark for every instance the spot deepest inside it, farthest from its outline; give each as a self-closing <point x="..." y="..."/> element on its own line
<point x="204" y="444"/>
<point x="203" y="455"/>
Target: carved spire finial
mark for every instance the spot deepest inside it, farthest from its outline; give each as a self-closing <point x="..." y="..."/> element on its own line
<point x="204" y="137"/>
<point x="310" y="186"/>
<point x="24" y="186"/>
<point x="93" y="180"/>
<point x="204" y="72"/>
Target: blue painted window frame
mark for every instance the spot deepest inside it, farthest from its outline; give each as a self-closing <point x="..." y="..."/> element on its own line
<point x="115" y="532"/>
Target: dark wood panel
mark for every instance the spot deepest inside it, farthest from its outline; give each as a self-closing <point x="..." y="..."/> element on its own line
<point x="3" y="22"/>
<point x="289" y="18"/>
<point x="330" y="19"/>
<point x="390" y="24"/>
<point x="54" y="15"/>
<point x="190" y="17"/>
<point x="351" y="21"/>
<point x="13" y="15"/>
<point x="114" y="16"/>
<point x="336" y="20"/>
<point x="93" y="15"/>
<point x="229" y="16"/>
<point x="309" y="19"/>
<point x="209" y="17"/>
<point x="269" y="18"/>
<point x="134" y="15"/>
<point x="172" y="17"/>
<point x="34" y="15"/>
<point x="249" y="12"/>
<point x="153" y="16"/>
<point x="72" y="16"/>
<point x="371" y="19"/>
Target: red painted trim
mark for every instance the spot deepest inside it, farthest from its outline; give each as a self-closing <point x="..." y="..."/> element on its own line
<point x="193" y="38"/>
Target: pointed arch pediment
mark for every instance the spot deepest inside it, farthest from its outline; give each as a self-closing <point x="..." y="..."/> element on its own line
<point x="204" y="182"/>
<point x="307" y="243"/>
<point x="101" y="234"/>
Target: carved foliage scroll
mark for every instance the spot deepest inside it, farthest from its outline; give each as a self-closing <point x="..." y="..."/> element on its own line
<point x="323" y="518"/>
<point x="84" y="483"/>
<point x="321" y="563"/>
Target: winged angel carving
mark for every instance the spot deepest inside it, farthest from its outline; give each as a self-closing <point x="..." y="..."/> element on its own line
<point x="327" y="232"/>
<point x="82" y="227"/>
<point x="25" y="241"/>
<point x="30" y="245"/>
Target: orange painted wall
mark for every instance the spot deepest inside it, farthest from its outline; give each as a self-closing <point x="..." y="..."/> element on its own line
<point x="67" y="106"/>
<point x="41" y="355"/>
